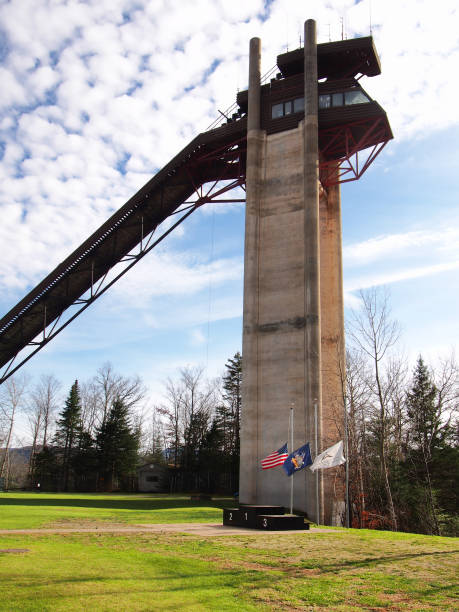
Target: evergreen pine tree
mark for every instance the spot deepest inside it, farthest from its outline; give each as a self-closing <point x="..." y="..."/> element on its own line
<point x="117" y="445"/>
<point x="46" y="470"/>
<point x="423" y="410"/>
<point x="210" y="459"/>
<point x="433" y="455"/>
<point x="68" y="432"/>
<point x="229" y="417"/>
<point x="84" y="463"/>
<point x="156" y="454"/>
<point x="424" y="426"/>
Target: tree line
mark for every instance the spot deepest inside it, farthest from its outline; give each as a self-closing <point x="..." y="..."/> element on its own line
<point x="401" y="429"/>
<point x="103" y="432"/>
<point x="200" y="422"/>
<point x="88" y="459"/>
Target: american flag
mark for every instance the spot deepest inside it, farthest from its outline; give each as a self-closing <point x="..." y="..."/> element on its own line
<point x="276" y="458"/>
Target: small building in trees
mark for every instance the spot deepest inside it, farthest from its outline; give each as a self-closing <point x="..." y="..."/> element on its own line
<point x="153" y="478"/>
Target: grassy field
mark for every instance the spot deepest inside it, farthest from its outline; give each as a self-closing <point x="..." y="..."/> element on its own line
<point x="30" y="510"/>
<point x="340" y="570"/>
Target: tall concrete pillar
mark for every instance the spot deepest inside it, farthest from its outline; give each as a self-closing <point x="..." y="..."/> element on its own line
<point x="332" y="347"/>
<point x="255" y="145"/>
<point x="312" y="357"/>
<point x="289" y="249"/>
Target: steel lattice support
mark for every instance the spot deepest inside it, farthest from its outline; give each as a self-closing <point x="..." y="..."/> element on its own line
<point x="349" y="150"/>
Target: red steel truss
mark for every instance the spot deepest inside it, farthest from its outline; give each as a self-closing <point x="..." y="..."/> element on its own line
<point x="350" y="149"/>
<point x="228" y="165"/>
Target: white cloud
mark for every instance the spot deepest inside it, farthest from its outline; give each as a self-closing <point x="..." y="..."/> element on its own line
<point x="181" y="274"/>
<point x="395" y="276"/>
<point x="12" y="92"/>
<point x="443" y="242"/>
<point x="388" y="259"/>
<point x="86" y="85"/>
<point x="197" y="337"/>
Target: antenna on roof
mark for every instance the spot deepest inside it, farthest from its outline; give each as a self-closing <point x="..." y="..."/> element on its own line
<point x="371" y="31"/>
<point x="342" y="28"/>
<point x="287" y="28"/>
<point x="329" y="32"/>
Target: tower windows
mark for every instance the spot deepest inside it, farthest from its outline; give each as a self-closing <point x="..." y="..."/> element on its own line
<point x="333" y="100"/>
<point x="277" y="110"/>
<point x="325" y="101"/>
<point x="287" y="108"/>
<point x="298" y="105"/>
<point x="355" y="96"/>
<point x="337" y="99"/>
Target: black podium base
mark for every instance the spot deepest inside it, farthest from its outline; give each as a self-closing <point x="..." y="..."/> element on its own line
<point x="280" y="522"/>
<point x="268" y="518"/>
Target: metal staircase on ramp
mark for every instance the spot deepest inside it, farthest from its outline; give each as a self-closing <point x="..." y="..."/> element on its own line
<point x="212" y="164"/>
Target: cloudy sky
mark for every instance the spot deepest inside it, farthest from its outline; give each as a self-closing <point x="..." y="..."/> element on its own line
<point x="96" y="96"/>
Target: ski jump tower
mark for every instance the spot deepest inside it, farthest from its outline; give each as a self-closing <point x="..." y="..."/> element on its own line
<point x="304" y="130"/>
<point x="292" y="142"/>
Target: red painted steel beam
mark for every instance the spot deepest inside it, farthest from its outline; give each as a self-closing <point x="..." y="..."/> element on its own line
<point x="339" y="156"/>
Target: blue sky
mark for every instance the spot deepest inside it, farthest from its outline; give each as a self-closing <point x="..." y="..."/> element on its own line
<point x="97" y="96"/>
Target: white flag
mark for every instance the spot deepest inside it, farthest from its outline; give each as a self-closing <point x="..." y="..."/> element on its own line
<point x="329" y="458"/>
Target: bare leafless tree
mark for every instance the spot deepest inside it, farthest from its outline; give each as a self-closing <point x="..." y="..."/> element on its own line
<point x="357" y="401"/>
<point x="12" y="398"/>
<point x="99" y="393"/>
<point x="198" y="398"/>
<point x="189" y="407"/>
<point x="92" y="407"/>
<point x="446" y="380"/>
<point x="394" y="384"/>
<point x="374" y="333"/>
<point x="155" y="435"/>
<point x="41" y="407"/>
<point x="172" y="411"/>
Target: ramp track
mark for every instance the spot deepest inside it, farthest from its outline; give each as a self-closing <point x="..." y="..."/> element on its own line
<point x="127" y="236"/>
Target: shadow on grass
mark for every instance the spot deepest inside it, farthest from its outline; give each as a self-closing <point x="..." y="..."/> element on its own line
<point x="209" y="578"/>
<point x="375" y="561"/>
<point x="145" y="504"/>
<point x="194" y="579"/>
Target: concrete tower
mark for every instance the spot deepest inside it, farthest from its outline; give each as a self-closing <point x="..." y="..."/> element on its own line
<point x="293" y="336"/>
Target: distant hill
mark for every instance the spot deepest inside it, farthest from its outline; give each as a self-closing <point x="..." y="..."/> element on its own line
<point x="18" y="455"/>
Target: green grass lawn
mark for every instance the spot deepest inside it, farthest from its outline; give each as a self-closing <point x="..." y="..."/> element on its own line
<point x="31" y="510"/>
<point x="340" y="570"/>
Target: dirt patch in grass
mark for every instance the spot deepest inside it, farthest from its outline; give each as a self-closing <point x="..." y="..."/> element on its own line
<point x="14" y="551"/>
<point x="85" y="524"/>
<point x="196" y="529"/>
<point x="281" y="568"/>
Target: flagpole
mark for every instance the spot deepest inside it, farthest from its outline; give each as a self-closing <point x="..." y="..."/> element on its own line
<point x="346" y="446"/>
<point x="317" y="471"/>
<point x="291" y="450"/>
